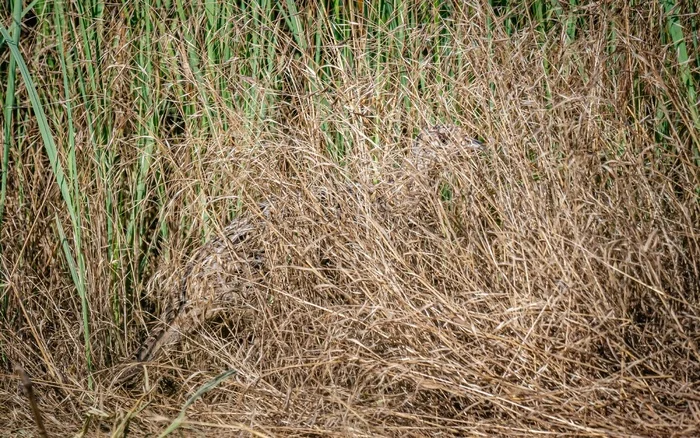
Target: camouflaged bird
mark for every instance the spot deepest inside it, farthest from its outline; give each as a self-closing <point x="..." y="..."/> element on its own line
<point x="225" y="272"/>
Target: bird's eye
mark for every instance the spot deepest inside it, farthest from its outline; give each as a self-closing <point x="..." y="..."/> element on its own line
<point x="475" y="143"/>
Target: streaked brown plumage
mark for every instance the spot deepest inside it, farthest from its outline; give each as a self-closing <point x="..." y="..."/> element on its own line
<point x="226" y="271"/>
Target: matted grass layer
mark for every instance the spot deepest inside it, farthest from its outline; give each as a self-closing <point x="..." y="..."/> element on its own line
<point x="548" y="284"/>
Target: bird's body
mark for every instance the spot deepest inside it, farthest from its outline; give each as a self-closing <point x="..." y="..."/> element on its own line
<point x="227" y="271"/>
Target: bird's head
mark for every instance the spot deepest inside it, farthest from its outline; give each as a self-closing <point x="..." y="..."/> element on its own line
<point x="441" y="145"/>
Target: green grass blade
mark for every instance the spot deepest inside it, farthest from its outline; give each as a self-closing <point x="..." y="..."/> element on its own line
<point x="75" y="272"/>
<point x="9" y="103"/>
<point x="675" y="30"/>
<point x="177" y="422"/>
<point x="63" y="184"/>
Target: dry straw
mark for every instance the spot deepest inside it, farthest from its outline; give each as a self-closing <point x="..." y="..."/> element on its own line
<point x="544" y="282"/>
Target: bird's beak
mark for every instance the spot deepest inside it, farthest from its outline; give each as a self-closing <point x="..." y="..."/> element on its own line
<point x="468" y="148"/>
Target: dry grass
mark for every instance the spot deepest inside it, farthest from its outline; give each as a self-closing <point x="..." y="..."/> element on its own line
<point x="547" y="285"/>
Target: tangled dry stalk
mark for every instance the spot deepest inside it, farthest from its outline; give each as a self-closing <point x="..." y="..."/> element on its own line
<point x="548" y="284"/>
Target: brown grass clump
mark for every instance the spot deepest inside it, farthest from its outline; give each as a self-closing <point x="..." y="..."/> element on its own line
<point x="545" y="284"/>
